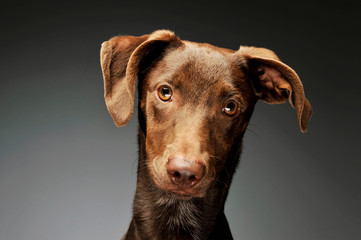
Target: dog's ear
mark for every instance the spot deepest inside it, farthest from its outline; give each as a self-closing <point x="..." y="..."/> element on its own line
<point x="275" y="82"/>
<point x="121" y="60"/>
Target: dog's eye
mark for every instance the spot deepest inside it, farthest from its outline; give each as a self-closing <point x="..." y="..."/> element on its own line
<point x="165" y="93"/>
<point x="230" y="108"/>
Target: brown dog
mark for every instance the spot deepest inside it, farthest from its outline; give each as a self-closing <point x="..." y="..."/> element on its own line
<point x="195" y="102"/>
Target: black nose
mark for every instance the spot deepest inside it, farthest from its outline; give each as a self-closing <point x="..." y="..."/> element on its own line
<point x="185" y="173"/>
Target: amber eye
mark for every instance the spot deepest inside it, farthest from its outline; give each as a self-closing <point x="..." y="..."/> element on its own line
<point x="230" y="108"/>
<point x="165" y="93"/>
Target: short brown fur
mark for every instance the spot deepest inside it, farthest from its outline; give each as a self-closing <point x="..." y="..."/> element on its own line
<point x="191" y="132"/>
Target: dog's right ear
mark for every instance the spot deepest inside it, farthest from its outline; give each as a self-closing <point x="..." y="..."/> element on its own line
<point x="121" y="59"/>
<point x="275" y="82"/>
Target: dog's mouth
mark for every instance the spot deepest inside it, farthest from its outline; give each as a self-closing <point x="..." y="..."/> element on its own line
<point x="181" y="195"/>
<point x="184" y="193"/>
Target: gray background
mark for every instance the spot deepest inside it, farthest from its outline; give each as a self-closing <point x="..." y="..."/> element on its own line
<point x="66" y="171"/>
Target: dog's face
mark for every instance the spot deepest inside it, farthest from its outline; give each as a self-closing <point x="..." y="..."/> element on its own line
<point x="196" y="101"/>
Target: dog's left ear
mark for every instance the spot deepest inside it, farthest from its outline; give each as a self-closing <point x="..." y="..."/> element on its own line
<point x="122" y="58"/>
<point x="275" y="82"/>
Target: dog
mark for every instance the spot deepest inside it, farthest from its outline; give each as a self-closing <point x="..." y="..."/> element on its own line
<point x="195" y="102"/>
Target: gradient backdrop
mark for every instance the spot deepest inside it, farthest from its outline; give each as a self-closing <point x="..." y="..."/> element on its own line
<point x="66" y="171"/>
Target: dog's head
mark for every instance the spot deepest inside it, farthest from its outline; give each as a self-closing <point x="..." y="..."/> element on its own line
<point x="195" y="100"/>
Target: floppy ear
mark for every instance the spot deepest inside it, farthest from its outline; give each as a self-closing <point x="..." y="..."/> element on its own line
<point x="121" y="59"/>
<point x="275" y="82"/>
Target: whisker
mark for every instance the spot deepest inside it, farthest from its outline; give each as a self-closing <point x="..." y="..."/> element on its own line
<point x="250" y="130"/>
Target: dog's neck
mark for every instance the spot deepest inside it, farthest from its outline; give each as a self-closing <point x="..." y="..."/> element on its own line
<point x="196" y="218"/>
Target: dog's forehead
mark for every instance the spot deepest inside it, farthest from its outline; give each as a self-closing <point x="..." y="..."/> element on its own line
<point x="205" y="60"/>
<point x="202" y="63"/>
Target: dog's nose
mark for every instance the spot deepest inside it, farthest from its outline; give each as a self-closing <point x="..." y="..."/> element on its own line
<point x="185" y="173"/>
